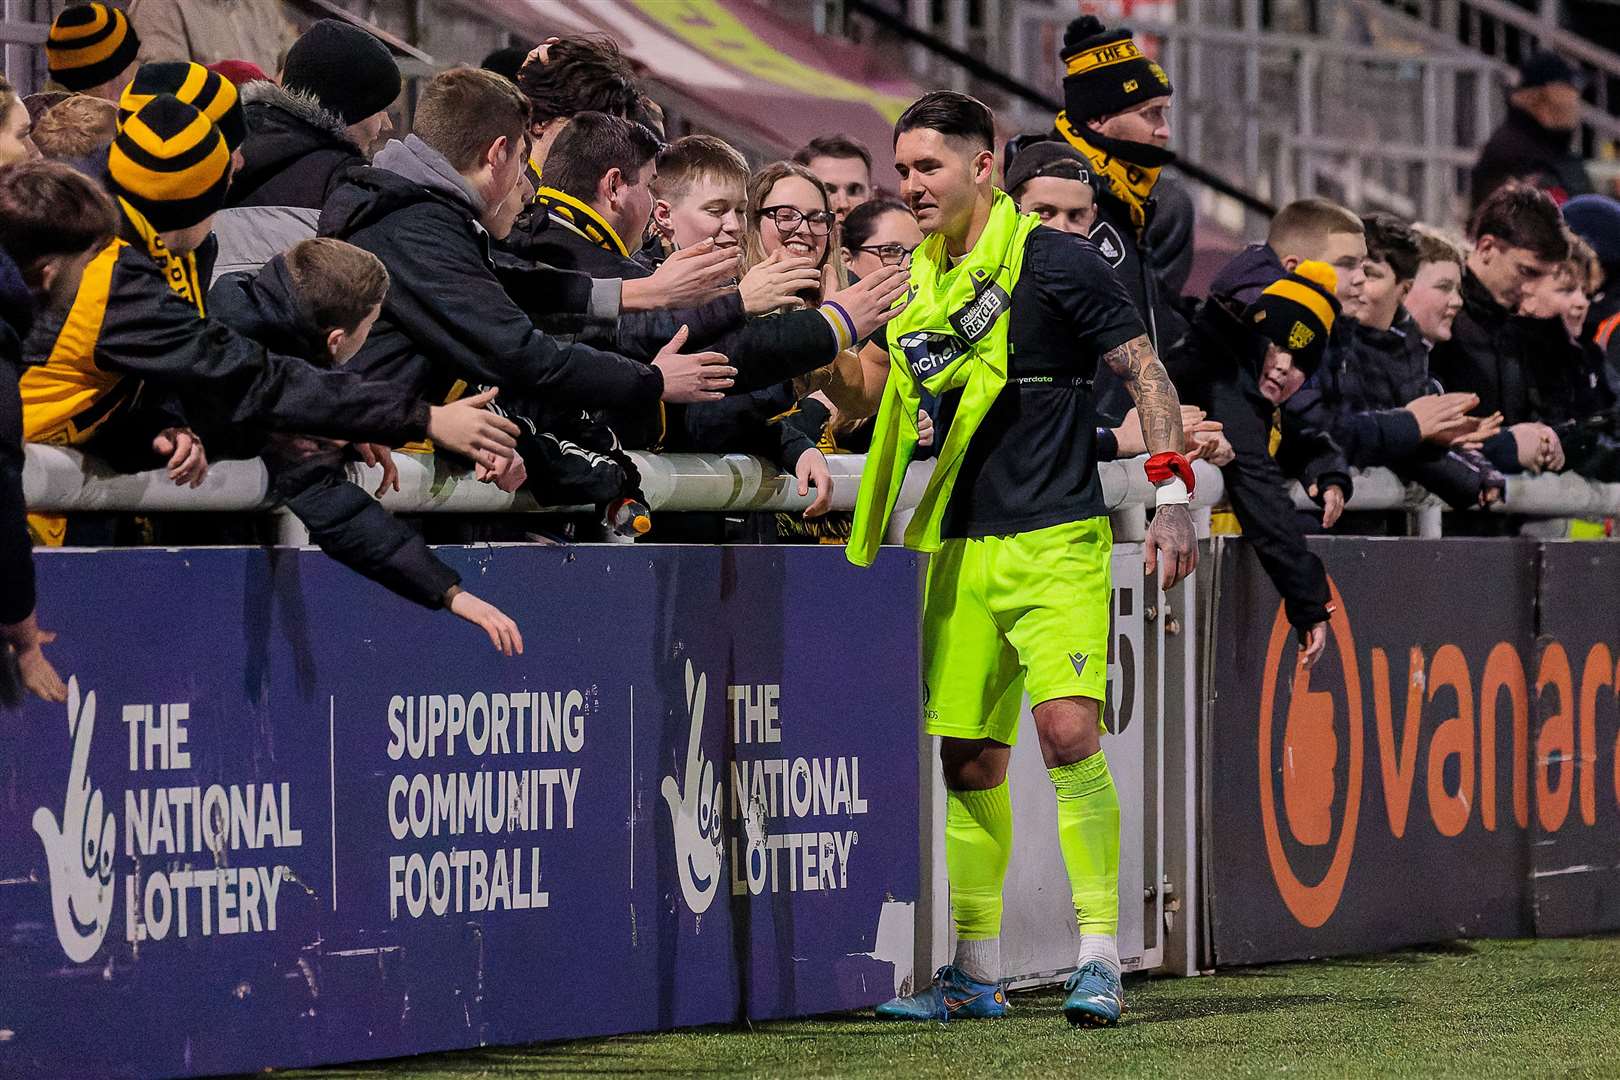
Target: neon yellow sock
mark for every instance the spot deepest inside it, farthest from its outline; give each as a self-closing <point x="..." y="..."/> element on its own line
<point x="1088" y="833"/>
<point x="978" y="842"/>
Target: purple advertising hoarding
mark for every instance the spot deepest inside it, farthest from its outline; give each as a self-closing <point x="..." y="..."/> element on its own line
<point x="287" y="818"/>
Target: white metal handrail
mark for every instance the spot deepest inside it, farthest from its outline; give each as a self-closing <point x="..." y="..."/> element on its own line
<point x="58" y="480"/>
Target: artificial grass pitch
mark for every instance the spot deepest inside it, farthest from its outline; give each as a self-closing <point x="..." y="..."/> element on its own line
<point x="1518" y="1009"/>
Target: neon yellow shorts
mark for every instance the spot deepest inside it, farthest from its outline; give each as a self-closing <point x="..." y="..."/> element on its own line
<point x="1006" y="614"/>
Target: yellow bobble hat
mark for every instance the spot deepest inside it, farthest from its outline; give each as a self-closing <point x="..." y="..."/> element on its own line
<point x="206" y="91"/>
<point x="1296" y="312"/>
<point x="170" y="162"/>
<point x="90" y="44"/>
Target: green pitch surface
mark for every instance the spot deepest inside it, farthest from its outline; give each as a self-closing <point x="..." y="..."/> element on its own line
<point x="1478" y="1009"/>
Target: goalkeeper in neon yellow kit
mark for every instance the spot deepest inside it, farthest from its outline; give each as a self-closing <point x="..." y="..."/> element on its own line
<point x="1007" y="322"/>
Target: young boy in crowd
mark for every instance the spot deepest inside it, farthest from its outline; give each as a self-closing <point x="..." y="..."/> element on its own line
<point x="1570" y="383"/>
<point x="76" y="128"/>
<point x="1373" y="394"/>
<point x="318" y="302"/>
<point x="136" y="331"/>
<point x="1241" y="363"/>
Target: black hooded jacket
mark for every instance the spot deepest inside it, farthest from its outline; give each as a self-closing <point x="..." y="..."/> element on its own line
<point x="307" y="476"/>
<point x="295" y="151"/>
<point x="1216" y="366"/>
<point x="16" y="560"/>
<point x="447" y="319"/>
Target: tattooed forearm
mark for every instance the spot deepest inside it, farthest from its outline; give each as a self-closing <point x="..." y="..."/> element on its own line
<point x="1138" y="365"/>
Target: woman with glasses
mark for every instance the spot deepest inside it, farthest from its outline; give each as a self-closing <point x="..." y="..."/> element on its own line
<point x="879" y="233"/>
<point x="788" y="212"/>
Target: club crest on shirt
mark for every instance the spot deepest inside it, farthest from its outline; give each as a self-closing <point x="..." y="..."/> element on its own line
<point x="1106" y="237"/>
<point x="928" y="353"/>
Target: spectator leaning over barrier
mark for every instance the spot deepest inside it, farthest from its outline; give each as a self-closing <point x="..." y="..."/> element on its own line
<point x="601" y="166"/>
<point x="80" y="127"/>
<point x="1519" y="238"/>
<point x="1242" y="363"/>
<point x="1436" y="294"/>
<point x="324" y="119"/>
<point x="428" y="208"/>
<point x="92" y="49"/>
<point x="209" y="31"/>
<point x="1570" y="386"/>
<point x="133" y="365"/>
<point x="1596" y="220"/>
<point x="52" y="222"/>
<point x="1373" y="393"/>
<point x="16" y="142"/>
<point x="1051" y="181"/>
<point x="844" y="168"/>
<point x="1533" y="143"/>
<point x="319" y="301"/>
<point x="1117" y="114"/>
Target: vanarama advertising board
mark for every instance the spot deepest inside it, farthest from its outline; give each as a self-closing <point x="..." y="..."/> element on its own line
<point x="1450" y="768"/>
<point x="286" y="818"/>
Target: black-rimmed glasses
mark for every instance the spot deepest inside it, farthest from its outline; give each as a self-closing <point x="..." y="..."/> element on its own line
<point x="788" y="219"/>
<point x="889" y="254"/>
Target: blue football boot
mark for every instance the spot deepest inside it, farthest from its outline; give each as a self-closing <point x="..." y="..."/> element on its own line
<point x="951" y="996"/>
<point x="1096" y="998"/>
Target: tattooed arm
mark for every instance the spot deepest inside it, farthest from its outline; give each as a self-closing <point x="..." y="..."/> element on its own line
<point x="1139" y="367"/>
<point x="1172" y="545"/>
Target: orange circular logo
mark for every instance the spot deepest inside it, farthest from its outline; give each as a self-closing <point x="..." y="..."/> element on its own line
<point x="1309" y="769"/>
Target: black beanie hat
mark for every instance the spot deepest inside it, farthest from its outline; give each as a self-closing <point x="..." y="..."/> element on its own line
<point x="1046" y="159"/>
<point x="170" y="162"/>
<point x="90" y="44"/>
<point x="348" y="71"/>
<point x="1105" y="73"/>
<point x="209" y="93"/>
<point x="1296" y="313"/>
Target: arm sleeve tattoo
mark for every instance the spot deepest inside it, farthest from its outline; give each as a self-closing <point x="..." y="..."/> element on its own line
<point x="1144" y="376"/>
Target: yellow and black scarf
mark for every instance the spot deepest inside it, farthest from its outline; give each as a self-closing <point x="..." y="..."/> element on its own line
<point x="180" y="271"/>
<point x="1130" y="184"/>
<point x="583" y="219"/>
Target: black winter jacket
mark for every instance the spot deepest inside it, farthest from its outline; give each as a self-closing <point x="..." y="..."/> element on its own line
<point x="16" y="560"/>
<point x="1486" y="355"/>
<point x="1521" y="149"/>
<point x="1216" y="366"/>
<point x="295" y="151"/>
<point x="1358" y="397"/>
<point x="1570" y="390"/>
<point x="344" y="520"/>
<point x="447" y="318"/>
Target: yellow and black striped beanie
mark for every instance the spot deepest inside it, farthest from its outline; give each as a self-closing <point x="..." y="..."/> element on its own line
<point x="1296" y="312"/>
<point x="209" y="93"/>
<point x="171" y="163"/>
<point x="1104" y="72"/>
<point x="90" y="44"/>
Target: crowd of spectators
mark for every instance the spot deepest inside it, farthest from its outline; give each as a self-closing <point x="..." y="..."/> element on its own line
<point x="533" y="281"/>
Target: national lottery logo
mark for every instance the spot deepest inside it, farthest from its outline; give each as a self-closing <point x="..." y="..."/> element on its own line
<point x="696" y="807"/>
<point x="79" y="844"/>
<point x="792" y="817"/>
